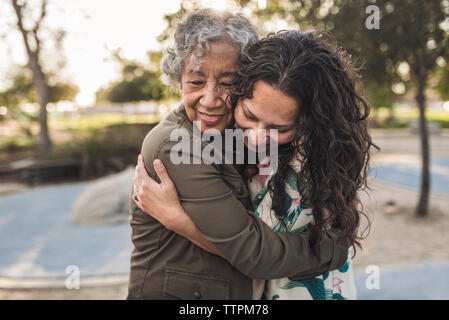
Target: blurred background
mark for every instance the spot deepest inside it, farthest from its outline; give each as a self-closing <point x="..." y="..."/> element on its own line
<point x="80" y="87"/>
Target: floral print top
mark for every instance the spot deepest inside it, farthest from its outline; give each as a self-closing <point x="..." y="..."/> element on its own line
<point x="334" y="285"/>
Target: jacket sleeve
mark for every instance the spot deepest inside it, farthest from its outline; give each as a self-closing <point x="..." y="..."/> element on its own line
<point x="244" y="239"/>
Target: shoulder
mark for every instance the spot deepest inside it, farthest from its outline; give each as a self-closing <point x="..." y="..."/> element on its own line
<point x="173" y="142"/>
<point x="159" y="136"/>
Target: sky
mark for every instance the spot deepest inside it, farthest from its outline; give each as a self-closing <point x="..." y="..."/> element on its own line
<point x="94" y="28"/>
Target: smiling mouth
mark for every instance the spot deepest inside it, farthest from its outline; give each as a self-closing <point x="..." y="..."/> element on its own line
<point x="211" y="120"/>
<point x="211" y="115"/>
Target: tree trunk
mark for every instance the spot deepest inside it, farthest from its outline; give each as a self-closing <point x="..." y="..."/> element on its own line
<point x="422" y="208"/>
<point x="40" y="84"/>
<point x="390" y="119"/>
<point x="39" y="79"/>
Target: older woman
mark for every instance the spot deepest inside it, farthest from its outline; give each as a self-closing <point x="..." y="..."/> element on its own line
<point x="239" y="246"/>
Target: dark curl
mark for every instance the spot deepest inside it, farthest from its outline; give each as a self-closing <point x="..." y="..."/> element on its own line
<point x="331" y="138"/>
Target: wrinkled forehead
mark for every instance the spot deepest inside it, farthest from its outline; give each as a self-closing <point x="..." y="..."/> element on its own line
<point x="219" y="56"/>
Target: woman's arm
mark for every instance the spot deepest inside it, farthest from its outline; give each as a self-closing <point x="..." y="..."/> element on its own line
<point x="185" y="227"/>
<point x="242" y="238"/>
<point x="162" y="203"/>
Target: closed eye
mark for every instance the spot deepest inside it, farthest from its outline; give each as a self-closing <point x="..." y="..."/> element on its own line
<point x="196" y="83"/>
<point x="250" y="117"/>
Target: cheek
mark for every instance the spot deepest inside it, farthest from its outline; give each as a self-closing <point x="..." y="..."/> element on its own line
<point x="285" y="137"/>
<point x="190" y="101"/>
<point x="241" y="120"/>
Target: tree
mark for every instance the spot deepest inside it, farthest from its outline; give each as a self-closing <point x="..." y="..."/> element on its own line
<point x="21" y="89"/>
<point x="32" y="43"/>
<point x="415" y="33"/>
<point x="410" y="32"/>
<point x="137" y="82"/>
<point x="172" y="19"/>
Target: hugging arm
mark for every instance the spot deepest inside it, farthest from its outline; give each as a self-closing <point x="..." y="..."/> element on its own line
<point x="241" y="237"/>
<point x="161" y="201"/>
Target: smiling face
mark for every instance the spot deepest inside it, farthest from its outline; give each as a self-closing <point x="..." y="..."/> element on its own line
<point x="269" y="108"/>
<point x="205" y="87"/>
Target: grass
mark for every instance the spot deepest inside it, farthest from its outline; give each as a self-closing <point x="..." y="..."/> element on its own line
<point x="102" y="142"/>
<point x="97" y="121"/>
<point x="17" y="143"/>
<point x="81" y="136"/>
<point x="403" y="118"/>
<point x="97" y="151"/>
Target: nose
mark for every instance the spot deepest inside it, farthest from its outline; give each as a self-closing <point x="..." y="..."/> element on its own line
<point x="212" y="97"/>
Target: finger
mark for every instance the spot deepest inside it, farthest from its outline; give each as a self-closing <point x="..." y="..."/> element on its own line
<point x="141" y="174"/>
<point x="135" y="176"/>
<point x="135" y="197"/>
<point x="140" y="161"/>
<point x="144" y="183"/>
<point x="140" y="166"/>
<point x="138" y="203"/>
<point x="161" y="172"/>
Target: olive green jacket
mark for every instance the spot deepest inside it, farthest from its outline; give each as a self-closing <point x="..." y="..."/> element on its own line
<point x="165" y="265"/>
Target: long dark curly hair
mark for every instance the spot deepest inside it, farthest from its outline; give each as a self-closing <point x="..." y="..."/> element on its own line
<point x="331" y="141"/>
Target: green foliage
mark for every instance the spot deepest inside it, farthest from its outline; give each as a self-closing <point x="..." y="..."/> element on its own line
<point x="10" y="144"/>
<point x="21" y="90"/>
<point x="99" y="151"/>
<point x="105" y="150"/>
<point x="406" y="29"/>
<point x="172" y="19"/>
<point x="442" y="84"/>
<point x="94" y="122"/>
<point x="137" y="88"/>
<point x="62" y="92"/>
<point x="403" y="117"/>
<point x="137" y="82"/>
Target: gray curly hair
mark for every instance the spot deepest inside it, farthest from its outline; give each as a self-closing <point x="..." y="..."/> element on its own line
<point x="197" y="30"/>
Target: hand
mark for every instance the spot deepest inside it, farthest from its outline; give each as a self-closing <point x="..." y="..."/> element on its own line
<point x="159" y="200"/>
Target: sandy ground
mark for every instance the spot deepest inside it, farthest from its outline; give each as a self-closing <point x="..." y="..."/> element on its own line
<point x="397" y="237"/>
<point x="114" y="292"/>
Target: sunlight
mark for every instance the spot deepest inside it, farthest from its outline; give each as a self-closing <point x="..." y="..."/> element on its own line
<point x="262" y="4"/>
<point x="215" y="4"/>
<point x="446" y="106"/>
<point x="3" y="111"/>
<point x="398" y="88"/>
<point x="85" y="97"/>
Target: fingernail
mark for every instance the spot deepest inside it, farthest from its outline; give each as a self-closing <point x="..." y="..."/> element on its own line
<point x="158" y="163"/>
